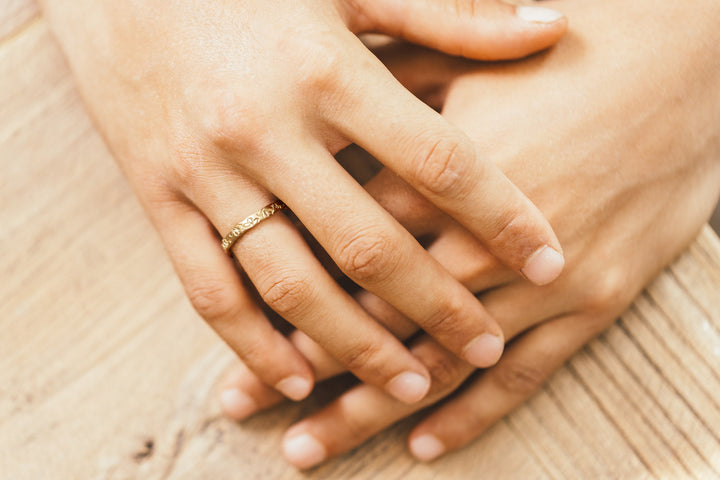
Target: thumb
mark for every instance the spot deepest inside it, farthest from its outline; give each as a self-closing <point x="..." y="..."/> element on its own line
<point x="478" y="29"/>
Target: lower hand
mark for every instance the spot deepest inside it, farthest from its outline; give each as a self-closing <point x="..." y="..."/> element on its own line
<point x="213" y="109"/>
<point x="626" y="187"/>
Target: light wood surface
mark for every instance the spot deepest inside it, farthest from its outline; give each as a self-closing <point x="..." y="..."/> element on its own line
<point x="106" y="372"/>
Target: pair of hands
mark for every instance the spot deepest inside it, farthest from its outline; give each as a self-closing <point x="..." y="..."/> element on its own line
<point x="624" y="165"/>
<point x="189" y="99"/>
<point x="214" y="108"/>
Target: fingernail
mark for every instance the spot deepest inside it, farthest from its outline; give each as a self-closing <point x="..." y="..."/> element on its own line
<point x="304" y="451"/>
<point x="538" y="14"/>
<point x="484" y="350"/>
<point x="294" y="387"/>
<point x="408" y="387"/>
<point x="237" y="404"/>
<point x="426" y="447"/>
<point x="544" y="265"/>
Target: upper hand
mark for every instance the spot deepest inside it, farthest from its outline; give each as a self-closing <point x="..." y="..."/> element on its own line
<point x="215" y="108"/>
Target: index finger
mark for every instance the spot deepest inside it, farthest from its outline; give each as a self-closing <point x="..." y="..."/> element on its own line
<point x="445" y="166"/>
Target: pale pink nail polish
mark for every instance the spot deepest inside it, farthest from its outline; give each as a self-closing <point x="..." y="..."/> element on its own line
<point x="408" y="387"/>
<point x="544" y="266"/>
<point x="426" y="447"/>
<point x="237" y="404"/>
<point x="294" y="387"/>
<point x="484" y="350"/>
<point x="304" y="451"/>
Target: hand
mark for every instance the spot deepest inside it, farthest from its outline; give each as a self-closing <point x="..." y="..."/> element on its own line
<point x="214" y="108"/>
<point x="627" y="180"/>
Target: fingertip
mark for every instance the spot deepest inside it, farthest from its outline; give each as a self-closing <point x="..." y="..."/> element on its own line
<point x="426" y="447"/>
<point x="236" y="404"/>
<point x="484" y="350"/>
<point x="408" y="387"/>
<point x="303" y="450"/>
<point x="544" y="265"/>
<point x="295" y="387"/>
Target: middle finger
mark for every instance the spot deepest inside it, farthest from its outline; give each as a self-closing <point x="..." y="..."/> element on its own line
<point x="373" y="249"/>
<point x="293" y="283"/>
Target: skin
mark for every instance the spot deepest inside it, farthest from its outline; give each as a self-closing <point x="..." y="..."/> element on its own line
<point x="616" y="140"/>
<point x="215" y="108"/>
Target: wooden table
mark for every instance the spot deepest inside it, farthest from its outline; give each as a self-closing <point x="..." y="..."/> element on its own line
<point x="106" y="372"/>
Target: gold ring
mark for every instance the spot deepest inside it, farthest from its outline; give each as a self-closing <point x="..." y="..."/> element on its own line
<point x="241" y="228"/>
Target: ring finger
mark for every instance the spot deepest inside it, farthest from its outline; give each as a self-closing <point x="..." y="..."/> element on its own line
<point x="293" y="283"/>
<point x="218" y="294"/>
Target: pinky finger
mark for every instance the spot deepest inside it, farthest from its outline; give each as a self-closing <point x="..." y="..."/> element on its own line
<point x="243" y="394"/>
<point x="217" y="292"/>
<point x="524" y="367"/>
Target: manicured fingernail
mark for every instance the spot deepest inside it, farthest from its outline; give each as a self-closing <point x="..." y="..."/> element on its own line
<point x="484" y="350"/>
<point x="538" y="14"/>
<point x="237" y="404"/>
<point x="304" y="451"/>
<point x="408" y="387"/>
<point x="294" y="387"/>
<point x="544" y="265"/>
<point x="426" y="447"/>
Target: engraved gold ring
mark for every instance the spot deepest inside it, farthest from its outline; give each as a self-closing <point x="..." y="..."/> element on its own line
<point x="242" y="227"/>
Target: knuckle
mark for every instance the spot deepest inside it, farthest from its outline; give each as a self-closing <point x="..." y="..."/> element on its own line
<point x="288" y="294"/>
<point x="508" y="228"/>
<point x="254" y="355"/>
<point x="158" y="191"/>
<point x="444" y="163"/>
<point x="518" y="378"/>
<point x="447" y="318"/>
<point x="319" y="71"/>
<point x="213" y="300"/>
<point x="189" y="160"/>
<point x="360" y="16"/>
<point x="356" y="427"/>
<point x="196" y="157"/>
<point x="321" y="78"/>
<point x="230" y="122"/>
<point x="360" y="355"/>
<point x="514" y="235"/>
<point x="445" y="373"/>
<point x="606" y="292"/>
<point x="365" y="255"/>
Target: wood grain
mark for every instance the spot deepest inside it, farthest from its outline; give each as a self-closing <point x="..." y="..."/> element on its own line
<point x="106" y="373"/>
